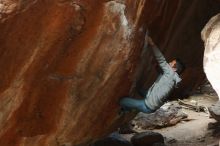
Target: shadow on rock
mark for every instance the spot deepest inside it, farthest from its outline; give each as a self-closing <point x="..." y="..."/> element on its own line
<point x="148" y="138"/>
<point x="112" y="140"/>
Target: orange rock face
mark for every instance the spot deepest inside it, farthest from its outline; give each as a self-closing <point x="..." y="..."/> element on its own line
<point x="66" y="63"/>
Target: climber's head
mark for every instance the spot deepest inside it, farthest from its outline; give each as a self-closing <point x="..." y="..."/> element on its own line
<point x="177" y="65"/>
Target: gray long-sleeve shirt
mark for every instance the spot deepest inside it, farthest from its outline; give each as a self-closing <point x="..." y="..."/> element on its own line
<point x="158" y="92"/>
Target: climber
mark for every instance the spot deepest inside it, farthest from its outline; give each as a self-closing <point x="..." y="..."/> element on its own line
<point x="157" y="94"/>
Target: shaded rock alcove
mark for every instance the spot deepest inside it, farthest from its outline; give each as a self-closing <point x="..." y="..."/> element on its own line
<point x="66" y="63"/>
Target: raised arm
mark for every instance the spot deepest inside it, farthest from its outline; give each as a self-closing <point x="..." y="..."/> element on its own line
<point x="159" y="56"/>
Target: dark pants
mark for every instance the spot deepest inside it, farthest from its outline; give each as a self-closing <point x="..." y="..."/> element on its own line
<point x="129" y="104"/>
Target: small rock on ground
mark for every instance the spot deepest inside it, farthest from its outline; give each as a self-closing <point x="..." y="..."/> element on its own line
<point x="148" y="138"/>
<point x="215" y="111"/>
<point x="112" y="140"/>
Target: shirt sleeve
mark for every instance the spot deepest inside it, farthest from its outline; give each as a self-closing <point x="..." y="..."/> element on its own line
<point x="161" y="59"/>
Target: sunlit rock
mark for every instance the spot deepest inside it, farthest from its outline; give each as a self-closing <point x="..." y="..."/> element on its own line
<point x="211" y="62"/>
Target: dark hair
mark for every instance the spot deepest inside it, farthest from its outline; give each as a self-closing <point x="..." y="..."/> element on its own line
<point x="179" y="66"/>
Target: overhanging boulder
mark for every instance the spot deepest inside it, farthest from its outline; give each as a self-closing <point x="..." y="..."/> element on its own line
<point x="66" y="63"/>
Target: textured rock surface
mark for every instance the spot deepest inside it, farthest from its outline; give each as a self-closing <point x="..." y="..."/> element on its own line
<point x="65" y="63"/>
<point x="211" y="38"/>
<point x="114" y="139"/>
<point x="167" y="115"/>
<point x="147" y="138"/>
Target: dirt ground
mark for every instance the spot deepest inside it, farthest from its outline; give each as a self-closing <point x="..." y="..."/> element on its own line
<point x="200" y="130"/>
<point x="195" y="132"/>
